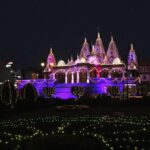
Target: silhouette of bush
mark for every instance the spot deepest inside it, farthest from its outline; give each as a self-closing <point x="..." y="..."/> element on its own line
<point x="78" y="91"/>
<point x="8" y="93"/>
<point x="48" y="91"/>
<point x="29" y="93"/>
<point x="113" y="90"/>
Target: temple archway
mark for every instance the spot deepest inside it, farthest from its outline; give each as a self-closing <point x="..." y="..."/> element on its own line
<point x="69" y="77"/>
<point x="93" y="73"/>
<point x="116" y="73"/>
<point x="104" y="73"/>
<point x="83" y="75"/>
<point x="60" y="77"/>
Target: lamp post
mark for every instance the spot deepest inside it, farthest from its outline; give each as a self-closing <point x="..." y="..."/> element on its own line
<point x="123" y="83"/>
<point x="47" y="85"/>
<point x="42" y="66"/>
<point x="127" y="84"/>
<point x="51" y="65"/>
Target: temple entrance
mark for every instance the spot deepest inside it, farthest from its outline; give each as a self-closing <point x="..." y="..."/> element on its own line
<point x="83" y="75"/>
<point x="60" y="77"/>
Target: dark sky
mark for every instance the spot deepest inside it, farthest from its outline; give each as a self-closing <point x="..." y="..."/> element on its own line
<point x="29" y="29"/>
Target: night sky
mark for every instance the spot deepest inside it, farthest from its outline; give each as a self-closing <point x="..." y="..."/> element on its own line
<point x="29" y="29"/>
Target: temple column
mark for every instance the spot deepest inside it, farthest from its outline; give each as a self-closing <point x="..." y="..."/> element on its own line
<point x="88" y="77"/>
<point x="53" y="76"/>
<point x="98" y="74"/>
<point x="123" y="75"/>
<point x="77" y="76"/>
<point x="72" y="77"/>
<point x="66" y="77"/>
<point x="109" y="74"/>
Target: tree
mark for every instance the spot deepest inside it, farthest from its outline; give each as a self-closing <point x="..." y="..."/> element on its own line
<point x="48" y="91"/>
<point x="29" y="92"/>
<point x="8" y="94"/>
<point x="113" y="90"/>
<point x="144" y="89"/>
<point x="78" y="91"/>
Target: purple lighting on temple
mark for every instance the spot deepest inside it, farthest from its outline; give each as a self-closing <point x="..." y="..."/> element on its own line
<point x="93" y="72"/>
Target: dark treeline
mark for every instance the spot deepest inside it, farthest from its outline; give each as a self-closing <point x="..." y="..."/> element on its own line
<point x="28" y="99"/>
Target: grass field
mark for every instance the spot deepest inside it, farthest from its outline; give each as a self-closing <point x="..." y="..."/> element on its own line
<point x="93" y="128"/>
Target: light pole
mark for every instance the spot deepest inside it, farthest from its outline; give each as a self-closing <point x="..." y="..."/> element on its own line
<point x="127" y="84"/>
<point x="47" y="85"/>
<point x="42" y="66"/>
<point x="123" y="84"/>
<point x="51" y="65"/>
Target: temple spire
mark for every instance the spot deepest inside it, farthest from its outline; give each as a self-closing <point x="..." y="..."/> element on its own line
<point x="132" y="59"/>
<point x="112" y="38"/>
<point x="71" y="58"/>
<point x="85" y="51"/>
<point x="99" y="48"/>
<point x="93" y="49"/>
<point x="98" y="35"/>
<point x="51" y="51"/>
<point x="132" y="48"/>
<point x="112" y="51"/>
<point x="51" y="61"/>
<point x="68" y="60"/>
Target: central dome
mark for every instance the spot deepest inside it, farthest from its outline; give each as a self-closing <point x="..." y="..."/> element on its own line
<point x="93" y="60"/>
<point x="116" y="61"/>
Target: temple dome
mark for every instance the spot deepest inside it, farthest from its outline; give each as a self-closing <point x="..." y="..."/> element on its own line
<point x="61" y="63"/>
<point x="82" y="60"/>
<point x="116" y="61"/>
<point x="93" y="60"/>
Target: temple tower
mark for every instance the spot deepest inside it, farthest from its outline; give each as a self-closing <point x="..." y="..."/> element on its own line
<point x="112" y="51"/>
<point x="132" y="59"/>
<point x="85" y="51"/>
<point x="99" y="49"/>
<point x="51" y="61"/>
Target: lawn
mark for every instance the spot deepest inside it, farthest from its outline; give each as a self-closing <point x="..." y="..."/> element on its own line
<point x="93" y="128"/>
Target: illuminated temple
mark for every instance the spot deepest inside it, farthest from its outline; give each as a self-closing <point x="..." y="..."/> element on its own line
<point x="93" y="71"/>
